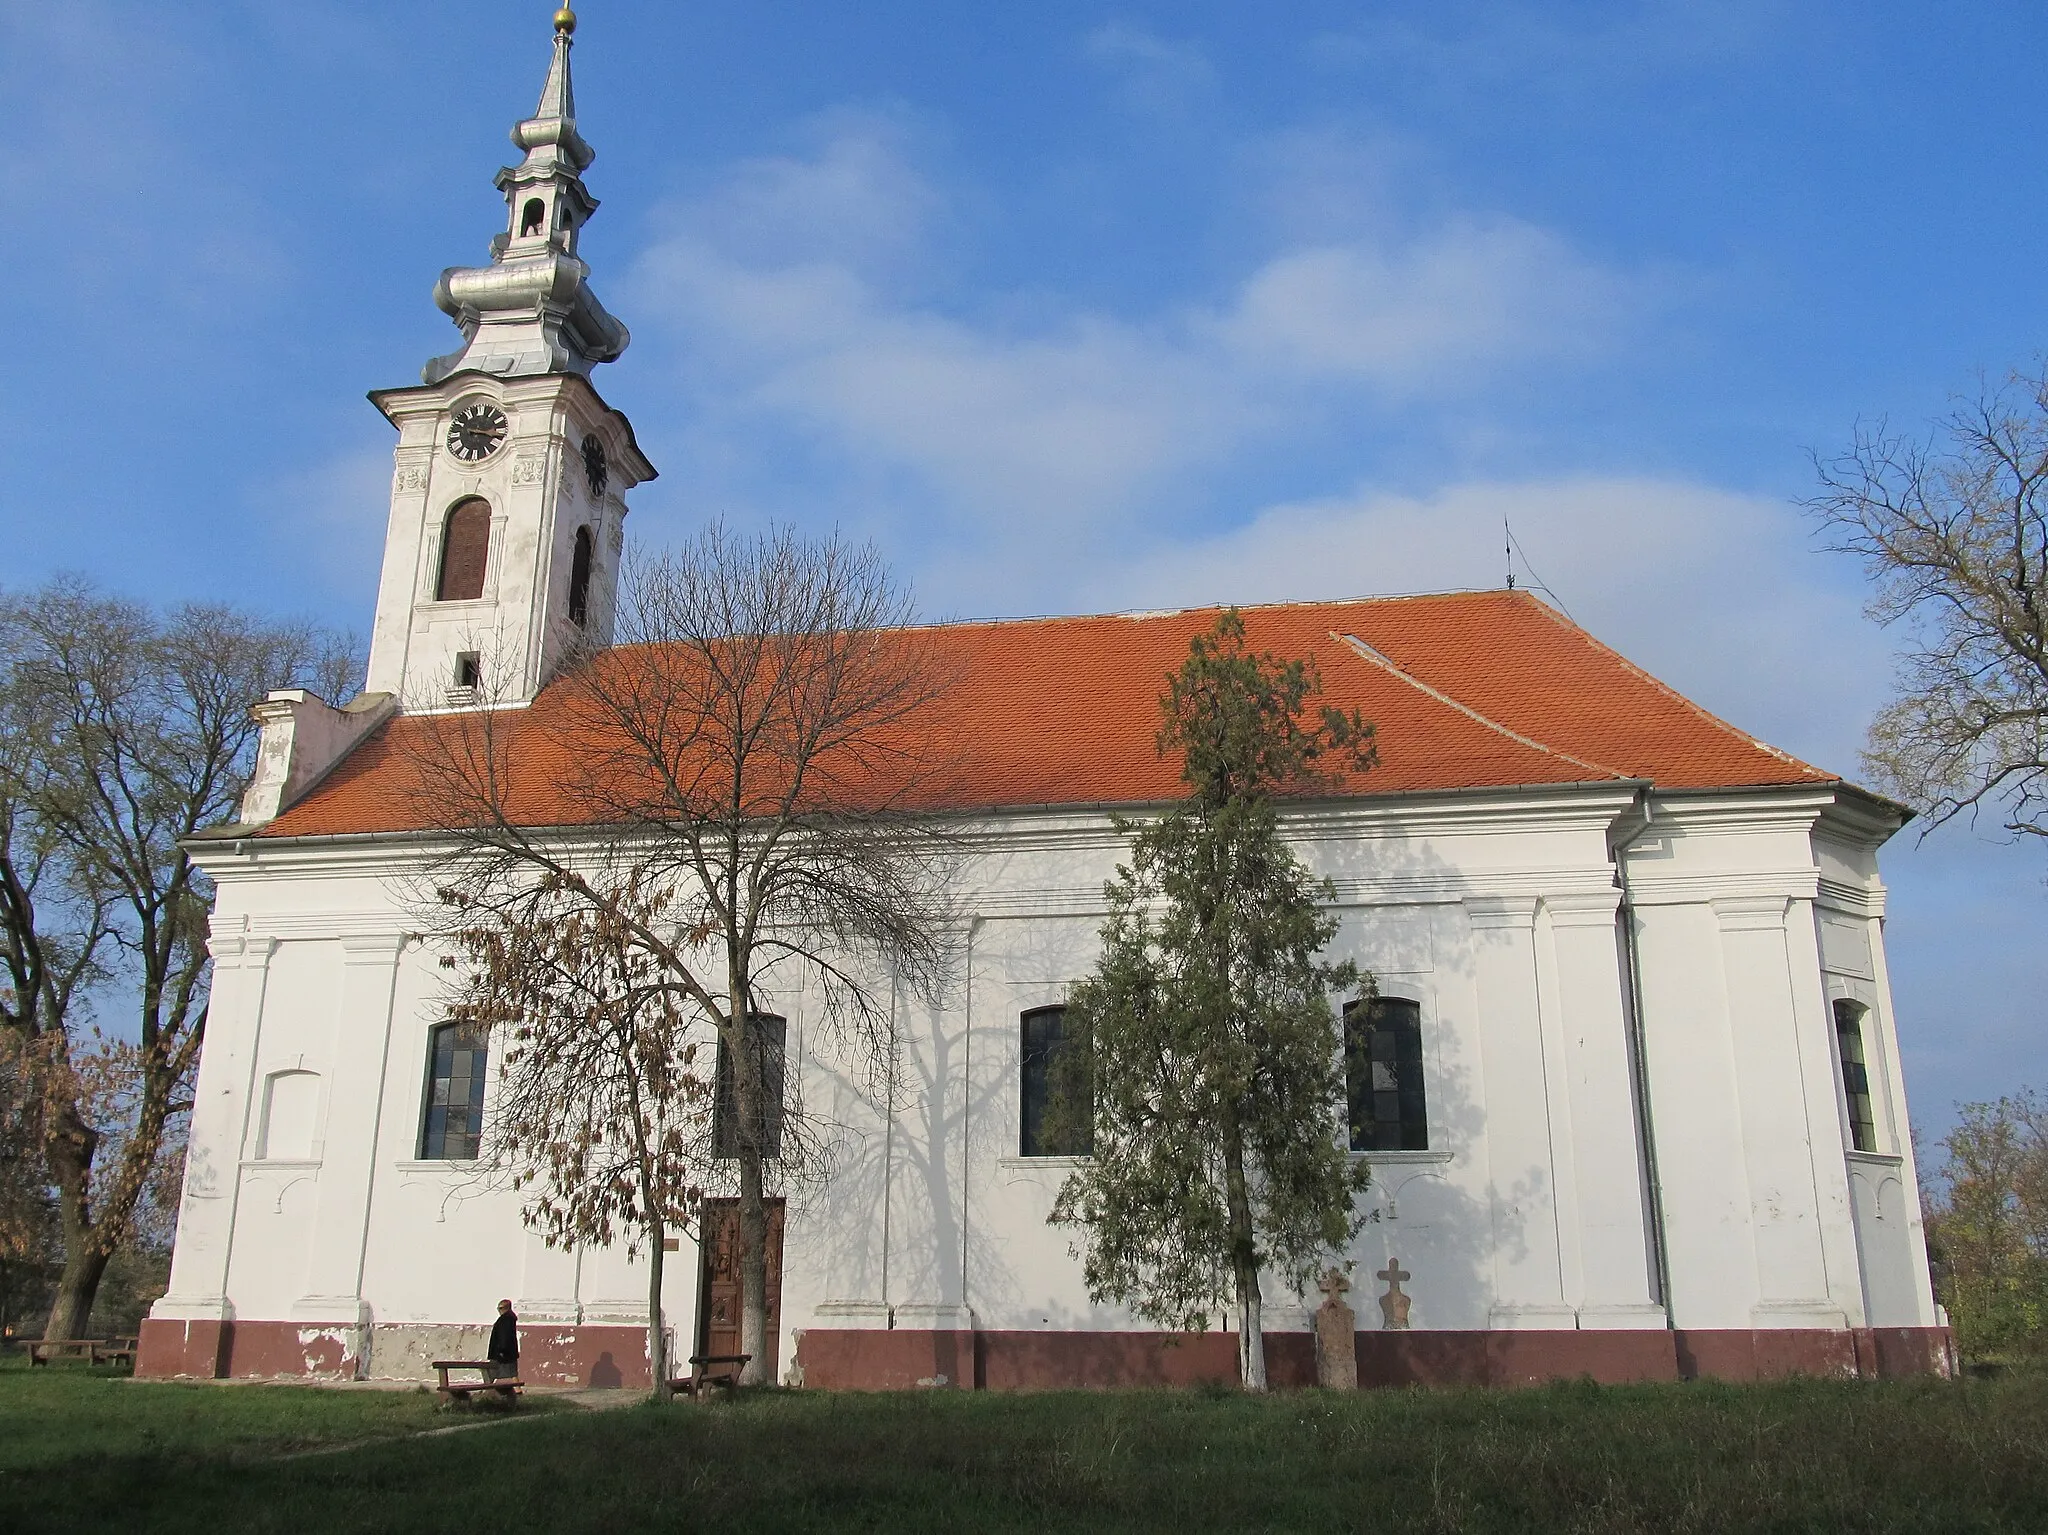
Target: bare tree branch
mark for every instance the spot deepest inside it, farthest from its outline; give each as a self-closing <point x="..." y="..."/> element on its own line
<point x="1954" y="535"/>
<point x="732" y="794"/>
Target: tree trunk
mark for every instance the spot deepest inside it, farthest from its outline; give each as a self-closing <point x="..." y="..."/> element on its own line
<point x="70" y="1148"/>
<point x="753" y="1271"/>
<point x="750" y="1091"/>
<point x="1244" y="1260"/>
<point x="657" y="1341"/>
<point x="1251" y="1334"/>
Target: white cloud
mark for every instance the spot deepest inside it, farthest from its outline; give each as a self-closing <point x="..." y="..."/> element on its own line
<point x="794" y="300"/>
<point x="1429" y="313"/>
<point x="1155" y="74"/>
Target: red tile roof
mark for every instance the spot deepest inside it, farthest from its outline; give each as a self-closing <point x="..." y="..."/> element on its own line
<point x="1469" y="690"/>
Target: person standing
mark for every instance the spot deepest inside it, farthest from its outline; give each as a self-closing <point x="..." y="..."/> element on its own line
<point x="504" y="1350"/>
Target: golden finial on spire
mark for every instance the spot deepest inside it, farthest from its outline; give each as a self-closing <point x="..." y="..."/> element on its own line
<point x="565" y="21"/>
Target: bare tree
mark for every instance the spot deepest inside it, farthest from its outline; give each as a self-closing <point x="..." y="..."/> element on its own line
<point x="1953" y="531"/>
<point x="757" y="749"/>
<point x="602" y="1108"/>
<point x="122" y="732"/>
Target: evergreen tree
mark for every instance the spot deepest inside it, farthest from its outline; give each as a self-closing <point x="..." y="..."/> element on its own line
<point x="1203" y="1054"/>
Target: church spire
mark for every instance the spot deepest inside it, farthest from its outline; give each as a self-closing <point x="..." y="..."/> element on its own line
<point x="558" y="96"/>
<point x="531" y="310"/>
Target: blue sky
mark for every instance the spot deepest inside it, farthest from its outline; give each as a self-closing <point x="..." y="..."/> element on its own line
<point x="1082" y="306"/>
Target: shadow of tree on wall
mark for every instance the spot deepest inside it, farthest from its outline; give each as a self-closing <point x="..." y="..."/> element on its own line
<point x="964" y="1213"/>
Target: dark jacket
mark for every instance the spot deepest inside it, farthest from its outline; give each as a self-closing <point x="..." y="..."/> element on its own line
<point x="504" y="1339"/>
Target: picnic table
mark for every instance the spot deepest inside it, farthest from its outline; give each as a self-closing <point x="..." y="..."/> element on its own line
<point x="507" y="1387"/>
<point x="710" y="1370"/>
<point x="92" y="1350"/>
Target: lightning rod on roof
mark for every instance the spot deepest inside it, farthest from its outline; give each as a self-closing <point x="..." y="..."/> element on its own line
<point x="1508" y="548"/>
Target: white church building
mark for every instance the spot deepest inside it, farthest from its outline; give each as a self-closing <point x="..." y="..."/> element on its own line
<point x="1630" y="1090"/>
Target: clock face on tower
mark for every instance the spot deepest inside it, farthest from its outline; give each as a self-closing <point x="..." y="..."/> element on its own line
<point x="476" y="432"/>
<point x="594" y="468"/>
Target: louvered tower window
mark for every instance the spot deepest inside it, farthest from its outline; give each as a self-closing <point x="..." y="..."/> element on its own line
<point x="465" y="546"/>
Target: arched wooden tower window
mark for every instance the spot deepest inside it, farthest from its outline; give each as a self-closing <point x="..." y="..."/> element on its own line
<point x="579" y="579"/>
<point x="465" y="545"/>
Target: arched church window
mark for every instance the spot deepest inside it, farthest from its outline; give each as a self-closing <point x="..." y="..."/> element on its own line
<point x="1383" y="1075"/>
<point x="465" y="545"/>
<point x="452" y="1123"/>
<point x="579" y="579"/>
<point x="1056" y="1107"/>
<point x="767" y="1038"/>
<point x="534" y="215"/>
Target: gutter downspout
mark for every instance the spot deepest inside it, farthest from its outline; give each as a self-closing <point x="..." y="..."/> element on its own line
<point x="1646" y="1136"/>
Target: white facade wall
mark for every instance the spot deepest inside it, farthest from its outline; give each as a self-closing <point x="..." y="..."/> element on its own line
<point x="1500" y="914"/>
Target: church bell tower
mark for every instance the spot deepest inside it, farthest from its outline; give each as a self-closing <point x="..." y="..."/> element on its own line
<point x="508" y="498"/>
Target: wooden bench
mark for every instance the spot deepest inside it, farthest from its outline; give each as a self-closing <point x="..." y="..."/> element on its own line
<point x="507" y="1387"/>
<point x="116" y="1351"/>
<point x="710" y="1370"/>
<point x="42" y="1350"/>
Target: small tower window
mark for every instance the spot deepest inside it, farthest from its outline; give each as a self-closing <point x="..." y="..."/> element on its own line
<point x="469" y="670"/>
<point x="579" y="580"/>
<point x="534" y="216"/>
<point x="465" y="546"/>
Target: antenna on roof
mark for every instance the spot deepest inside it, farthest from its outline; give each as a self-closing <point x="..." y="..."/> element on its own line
<point x="1508" y="535"/>
<point x="1535" y="580"/>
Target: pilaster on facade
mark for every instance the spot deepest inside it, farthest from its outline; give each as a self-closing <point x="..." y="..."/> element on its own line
<point x="220" y="1120"/>
<point x="1528" y="1278"/>
<point x="351" y="1120"/>
<point x="1773" y="1080"/>
<point x="1616" y="1286"/>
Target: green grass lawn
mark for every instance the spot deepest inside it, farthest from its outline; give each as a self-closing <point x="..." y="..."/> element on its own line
<point x="89" y="1453"/>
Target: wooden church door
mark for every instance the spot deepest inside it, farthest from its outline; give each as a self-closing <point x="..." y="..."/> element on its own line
<point x="718" y="1293"/>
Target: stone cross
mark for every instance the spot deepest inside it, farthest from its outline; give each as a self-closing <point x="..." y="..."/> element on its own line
<point x="1394" y="1305"/>
<point x="1336" y="1335"/>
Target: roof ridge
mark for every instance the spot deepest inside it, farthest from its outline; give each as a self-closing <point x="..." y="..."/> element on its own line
<point x="1744" y="736"/>
<point x="1393" y="668"/>
<point x="1135" y="615"/>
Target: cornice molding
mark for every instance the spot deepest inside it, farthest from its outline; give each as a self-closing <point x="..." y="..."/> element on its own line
<point x="1646" y="889"/>
<point x="1750" y="913"/>
<point x="1854" y="900"/>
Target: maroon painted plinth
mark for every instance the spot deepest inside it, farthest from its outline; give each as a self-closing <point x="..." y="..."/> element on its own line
<point x="613" y="1355"/>
<point x="182" y="1350"/>
<point x="254" y="1350"/>
<point x="592" y="1356"/>
<point x="874" y="1360"/>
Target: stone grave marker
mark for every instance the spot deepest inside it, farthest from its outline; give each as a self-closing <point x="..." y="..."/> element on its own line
<point x="1336" y="1335"/>
<point x="1394" y="1304"/>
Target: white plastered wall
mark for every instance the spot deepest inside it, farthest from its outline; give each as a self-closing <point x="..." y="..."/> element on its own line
<point x="1496" y="914"/>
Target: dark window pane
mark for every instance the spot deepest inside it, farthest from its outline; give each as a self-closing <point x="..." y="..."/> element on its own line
<point x="465" y="545"/>
<point x="1855" y="1076"/>
<point x="768" y="1036"/>
<point x="1389" y="1110"/>
<point x="1047" y="1065"/>
<point x="451" y="1128"/>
